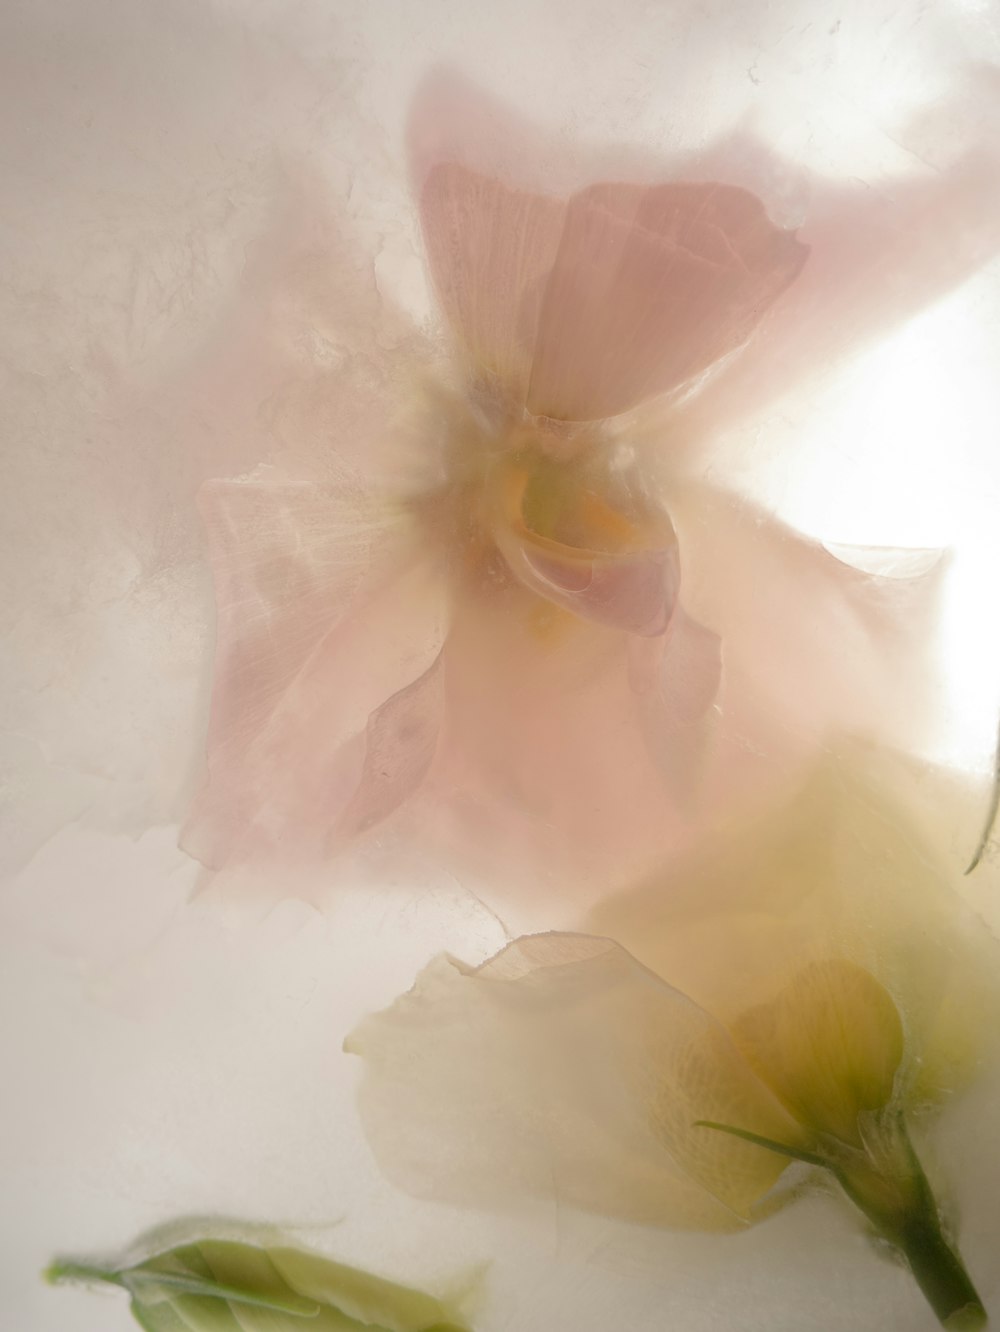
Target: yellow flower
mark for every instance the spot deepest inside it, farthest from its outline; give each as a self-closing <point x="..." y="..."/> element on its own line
<point x="792" y="992"/>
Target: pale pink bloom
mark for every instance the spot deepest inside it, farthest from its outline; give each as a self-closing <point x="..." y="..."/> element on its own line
<point x="513" y="641"/>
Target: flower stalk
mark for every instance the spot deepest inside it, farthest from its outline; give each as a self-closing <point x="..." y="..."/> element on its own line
<point x="886" y="1182"/>
<point x="893" y="1192"/>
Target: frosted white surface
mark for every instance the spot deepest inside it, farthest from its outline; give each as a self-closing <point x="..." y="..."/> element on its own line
<point x="165" y="1057"/>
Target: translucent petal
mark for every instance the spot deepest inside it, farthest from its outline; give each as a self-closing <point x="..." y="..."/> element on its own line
<point x="829" y="1045"/>
<point x="877" y="258"/>
<point x="584" y="309"/>
<point x="651" y="286"/>
<point x="543" y="790"/>
<point x="811" y="644"/>
<point x="490" y="251"/>
<point x="563" y="1068"/>
<point x="677" y="679"/>
<point x="631" y="582"/>
<point x="326" y="611"/>
<point x="839" y="871"/>
<point x="400" y="739"/>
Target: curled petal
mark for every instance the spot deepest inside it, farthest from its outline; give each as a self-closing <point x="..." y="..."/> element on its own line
<point x="562" y="1066"/>
<point x="320" y="623"/>
<point x="634" y="588"/>
<point x="633" y="592"/>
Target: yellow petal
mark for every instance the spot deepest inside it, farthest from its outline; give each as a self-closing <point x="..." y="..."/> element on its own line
<point x="828" y="1045"/>
<point x="841" y="869"/>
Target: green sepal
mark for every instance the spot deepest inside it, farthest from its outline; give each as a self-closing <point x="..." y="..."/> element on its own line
<point x="886" y="1182"/>
<point x="769" y="1144"/>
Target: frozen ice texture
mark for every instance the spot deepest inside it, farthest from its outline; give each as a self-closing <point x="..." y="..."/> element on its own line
<point x="211" y="260"/>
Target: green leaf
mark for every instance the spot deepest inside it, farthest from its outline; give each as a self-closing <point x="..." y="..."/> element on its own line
<point x="231" y="1285"/>
<point x="364" y="1297"/>
<point x="222" y="1269"/>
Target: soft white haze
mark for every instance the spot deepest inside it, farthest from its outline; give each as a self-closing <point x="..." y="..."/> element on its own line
<point x="163" y="164"/>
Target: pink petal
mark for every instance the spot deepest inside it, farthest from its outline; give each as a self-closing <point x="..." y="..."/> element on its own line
<point x="584" y="310"/>
<point x="877" y="258"/>
<point x="320" y="622"/>
<point x="575" y="757"/>
<point x="635" y="591"/>
<point x="400" y="739"/>
<point x="677" y="679"/>
<point x="629" y="581"/>
<point x="544" y="792"/>
<point x="490" y="250"/>
<point x="651" y="286"/>
<point x="583" y="307"/>
<point x="810" y="643"/>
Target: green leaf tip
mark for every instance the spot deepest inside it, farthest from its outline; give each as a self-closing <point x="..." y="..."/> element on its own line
<point x="66" y="1269"/>
<point x="210" y="1284"/>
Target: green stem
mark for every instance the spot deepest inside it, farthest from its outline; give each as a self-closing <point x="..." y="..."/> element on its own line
<point x="939" y="1273"/>
<point x="885" y="1180"/>
<point x="890" y="1187"/>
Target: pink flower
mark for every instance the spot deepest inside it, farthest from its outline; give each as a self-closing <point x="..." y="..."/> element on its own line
<point x="515" y="642"/>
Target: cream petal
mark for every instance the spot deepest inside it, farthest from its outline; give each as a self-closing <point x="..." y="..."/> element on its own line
<point x="829" y="1045"/>
<point x="562" y="1068"/>
<point x="847" y="867"/>
<point x="320" y="623"/>
<point x="652" y="284"/>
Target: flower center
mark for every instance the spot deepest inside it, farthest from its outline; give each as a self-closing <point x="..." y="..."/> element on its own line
<point x="565" y="518"/>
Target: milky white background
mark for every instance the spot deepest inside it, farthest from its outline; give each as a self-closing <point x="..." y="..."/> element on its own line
<point x="166" y="1054"/>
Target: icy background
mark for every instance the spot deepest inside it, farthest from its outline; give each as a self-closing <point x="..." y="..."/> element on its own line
<point x="165" y="169"/>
